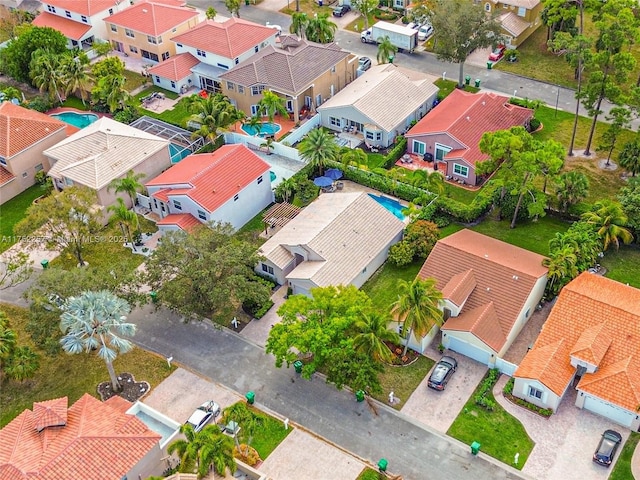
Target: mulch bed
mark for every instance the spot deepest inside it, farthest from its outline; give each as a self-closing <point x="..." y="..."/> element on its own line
<point x="400" y="360"/>
<point x="131" y="390"/>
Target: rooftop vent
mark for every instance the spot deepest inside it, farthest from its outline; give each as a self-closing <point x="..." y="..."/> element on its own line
<point x="468" y="119"/>
<point x="144" y="10"/>
<point x="515" y="277"/>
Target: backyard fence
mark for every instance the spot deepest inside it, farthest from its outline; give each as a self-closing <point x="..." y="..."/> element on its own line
<point x="258" y="143"/>
<point x="296" y="135"/>
<point x="505" y="367"/>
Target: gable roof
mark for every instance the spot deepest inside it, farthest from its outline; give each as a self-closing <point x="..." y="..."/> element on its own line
<point x="289" y="70"/>
<point x="184" y="221"/>
<point x="101" y="152"/>
<point x="592" y="314"/>
<point x="67" y="27"/>
<point x="21" y="127"/>
<point x="98" y="442"/>
<point x="152" y="18"/>
<point x="366" y="93"/>
<point x="229" y="39"/>
<point x="466" y="117"/>
<point x="513" y="24"/>
<point x="342" y="231"/>
<point x="83" y="7"/>
<point x="175" y="68"/>
<point x="503" y="278"/>
<point x="212" y="178"/>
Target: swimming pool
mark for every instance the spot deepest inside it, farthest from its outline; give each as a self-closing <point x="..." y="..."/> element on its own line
<point x="390" y="204"/>
<point x="178" y="152"/>
<point x="266" y="128"/>
<point x="79" y="120"/>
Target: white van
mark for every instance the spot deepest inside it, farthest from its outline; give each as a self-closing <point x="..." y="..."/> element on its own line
<point x="425" y="32"/>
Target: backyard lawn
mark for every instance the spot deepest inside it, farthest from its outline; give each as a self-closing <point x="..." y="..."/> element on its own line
<point x="402" y="381"/>
<point x="623" y="265"/>
<point x="155" y="88"/>
<point x="74" y="102"/>
<point x="622" y="468"/>
<point x="177" y="115"/>
<point x="69" y="375"/>
<point x="133" y="80"/>
<point x="382" y="287"/>
<point x="12" y="211"/>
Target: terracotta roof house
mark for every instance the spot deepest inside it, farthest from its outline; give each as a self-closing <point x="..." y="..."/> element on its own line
<point x="358" y="104"/>
<point x="231" y="185"/>
<point x="450" y="134"/>
<point x="490" y="289"/>
<point x="24" y="135"/>
<point x="304" y="73"/>
<point x="519" y="18"/>
<point x="104" y="151"/>
<point x="91" y="439"/>
<point x="340" y="239"/>
<point x="78" y="20"/>
<point x="210" y="49"/>
<point x="144" y="29"/>
<point x="590" y="342"/>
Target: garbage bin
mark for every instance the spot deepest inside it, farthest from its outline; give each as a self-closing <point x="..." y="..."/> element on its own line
<point x="154" y="296"/>
<point x="298" y="366"/>
<point x="382" y="464"/>
<point x="467" y="79"/>
<point x="359" y="395"/>
<point x="475" y="448"/>
<point x="45" y="263"/>
<point x="391" y="58"/>
<point x="251" y="397"/>
<point x="246" y="2"/>
<point x="477" y="82"/>
<point x="489" y="65"/>
<point x="319" y="3"/>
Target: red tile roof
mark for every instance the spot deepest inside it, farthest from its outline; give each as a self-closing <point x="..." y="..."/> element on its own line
<point x="598" y="320"/>
<point x="229" y="39"/>
<point x="184" y="221"/>
<point x="51" y="413"/>
<point x="503" y="278"/>
<point x="20" y="128"/>
<point x="214" y="177"/>
<point x="175" y="68"/>
<point x="5" y="175"/>
<point x="83" y="7"/>
<point x="98" y="442"/>
<point x="67" y="27"/>
<point x="466" y="117"/>
<point x="152" y="18"/>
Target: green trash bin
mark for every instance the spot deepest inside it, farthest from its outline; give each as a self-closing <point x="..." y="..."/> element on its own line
<point x="251" y="397"/>
<point x="246" y="2"/>
<point x="44" y="263"/>
<point x="298" y="366"/>
<point x="477" y="82"/>
<point x="360" y="395"/>
<point x="391" y="58"/>
<point x="382" y="464"/>
<point x="489" y="65"/>
<point x="475" y="448"/>
<point x="467" y="79"/>
<point x="154" y="296"/>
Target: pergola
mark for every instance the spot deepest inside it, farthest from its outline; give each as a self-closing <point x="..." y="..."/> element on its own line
<point x="175" y="135"/>
<point x="279" y="215"/>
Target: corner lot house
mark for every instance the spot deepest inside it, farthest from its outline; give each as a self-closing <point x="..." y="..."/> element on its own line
<point x="451" y="132"/>
<point x="208" y="50"/>
<point x="358" y="104"/>
<point x="231" y="185"/>
<point x="24" y="135"/>
<point x="304" y="73"/>
<point x="490" y="289"/>
<point x="518" y="18"/>
<point x="104" y="151"/>
<point x="340" y="239"/>
<point x="590" y="342"/>
<point x="143" y="30"/>
<point x="92" y="440"/>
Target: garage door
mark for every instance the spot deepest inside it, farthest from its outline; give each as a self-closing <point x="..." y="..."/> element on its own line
<point x="468" y="350"/>
<point x="608" y="410"/>
<point x="298" y="290"/>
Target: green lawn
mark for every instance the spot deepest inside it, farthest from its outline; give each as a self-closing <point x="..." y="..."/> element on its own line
<point x="623" y="265"/>
<point x="75" y="102"/>
<point x="403" y="380"/>
<point x="500" y="434"/>
<point x="450" y="229"/>
<point x="69" y="375"/>
<point x="134" y="80"/>
<point x="375" y="160"/>
<point x="12" y="211"/>
<point x="622" y="469"/>
<point x="382" y="287"/>
<point x="532" y="236"/>
<point x="460" y="194"/>
<point x="371" y="474"/>
<point x="177" y="115"/>
<point x="448" y="86"/>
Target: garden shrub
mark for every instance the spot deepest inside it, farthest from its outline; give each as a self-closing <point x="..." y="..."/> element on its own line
<point x="401" y="254"/>
<point x="508" y="388"/>
<point x="508" y="206"/>
<point x="306" y="191"/>
<point x="263" y="310"/>
<point x="246" y="454"/>
<point x="534" y="124"/>
<point x="39" y="104"/>
<point x="467" y="213"/>
<point x="486" y="386"/>
<point x="127" y="115"/>
<point x="545" y="412"/>
<point x="395" y="153"/>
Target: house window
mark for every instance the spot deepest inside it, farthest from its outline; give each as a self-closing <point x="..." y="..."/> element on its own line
<point x="240" y="89"/>
<point x="51" y="8"/>
<point x="419" y="147"/>
<point x="318" y="100"/>
<point x="535" y="393"/>
<point x="111" y="11"/>
<point x="151" y="39"/>
<point x="67" y="13"/>
<point x="179" y="45"/>
<point x="237" y="60"/>
<point x="259" y="179"/>
<point x="201" y="53"/>
<point x="487" y="7"/>
<point x="133" y="49"/>
<point x="235" y="197"/>
<point x="25" y="174"/>
<point x="368" y="134"/>
<point x="202" y="215"/>
<point x="522" y="11"/>
<point x="257" y="89"/>
<point x="256" y="49"/>
<point x="441" y="151"/>
<point x="460" y="170"/>
<point x="527" y="313"/>
<point x="157" y="79"/>
<point x="114" y="28"/>
<point x="150" y="55"/>
<point x="378" y="136"/>
<point x="255" y="109"/>
<point x="364" y="270"/>
<point x="129" y="33"/>
<point x="267" y="269"/>
<point x="177" y="205"/>
<point x="3" y="161"/>
<point x="222" y="65"/>
<point x="333" y="69"/>
<point x="173" y="84"/>
<point x="336" y="122"/>
<point x="38" y="167"/>
<point x="230" y="85"/>
<point x="84" y="19"/>
<point x="165" y="55"/>
<point x="159" y="38"/>
<point x="67" y="181"/>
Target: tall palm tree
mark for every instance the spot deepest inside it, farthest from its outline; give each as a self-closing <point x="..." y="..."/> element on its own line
<point x="572" y="188"/>
<point x="116" y="93"/>
<point x="433" y="182"/>
<point x="562" y="265"/>
<point x="286" y="188"/>
<point x="129" y="184"/>
<point x="373" y="331"/>
<point x="386" y="50"/>
<point x="213" y="113"/>
<point x="320" y="29"/>
<point x="255" y="122"/>
<point x="610" y="220"/>
<point x="417" y="307"/>
<point x="201" y="450"/>
<point x="318" y="147"/>
<point x="299" y="22"/>
<point x="271" y="104"/>
<point x="97" y="320"/>
<point x="76" y="76"/>
<point x="354" y="157"/>
<point x="46" y="73"/>
<point x="126" y="218"/>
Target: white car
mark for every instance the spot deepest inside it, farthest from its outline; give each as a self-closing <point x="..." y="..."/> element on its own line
<point x="425" y="32"/>
<point x="203" y="415"/>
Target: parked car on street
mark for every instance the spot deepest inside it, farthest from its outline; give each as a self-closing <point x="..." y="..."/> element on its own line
<point x="606" y="451"/>
<point x="364" y="63"/>
<point x="497" y="53"/>
<point x="340" y="10"/>
<point x="425" y="32"/>
<point x="442" y="373"/>
<point x="203" y="415"/>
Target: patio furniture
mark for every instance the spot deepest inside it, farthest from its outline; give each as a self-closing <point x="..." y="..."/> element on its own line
<point x="339" y="185"/>
<point x="329" y="189"/>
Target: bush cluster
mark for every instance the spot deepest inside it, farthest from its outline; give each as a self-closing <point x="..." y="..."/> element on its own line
<point x="395" y="153"/>
<point x="487" y="384"/>
<point x="545" y="412"/>
<point x="467" y="213"/>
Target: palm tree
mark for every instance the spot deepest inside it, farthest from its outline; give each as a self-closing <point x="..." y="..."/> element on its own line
<point x="126" y="218"/>
<point x="46" y="73"/>
<point x="256" y="123"/>
<point x="286" y="188"/>
<point x="562" y="265"/>
<point x="23" y="363"/>
<point x="417" y="307"/>
<point x="97" y="320"/>
<point x="116" y="95"/>
<point x="75" y="76"/>
<point x="129" y="184"/>
<point x="373" y="331"/>
<point x="433" y="182"/>
<point x="386" y="50"/>
<point x="572" y="188"/>
<point x="610" y="220"/>
<point x="268" y="144"/>
<point x="299" y="22"/>
<point x="318" y="147"/>
<point x="354" y="157"/>
<point x="394" y="175"/>
<point x="272" y="104"/>
<point x="199" y="451"/>
<point x="320" y="29"/>
<point x="213" y="114"/>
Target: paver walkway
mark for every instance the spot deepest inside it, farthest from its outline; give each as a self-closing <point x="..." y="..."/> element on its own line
<point x="635" y="463"/>
<point x="258" y="330"/>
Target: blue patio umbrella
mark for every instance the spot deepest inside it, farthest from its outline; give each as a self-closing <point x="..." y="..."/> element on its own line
<point x="323" y="181"/>
<point x="333" y="173"/>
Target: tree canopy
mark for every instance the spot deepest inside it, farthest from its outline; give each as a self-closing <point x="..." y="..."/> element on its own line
<point x="17" y="56"/>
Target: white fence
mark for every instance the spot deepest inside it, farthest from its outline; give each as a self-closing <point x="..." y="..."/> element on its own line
<point x="296" y="135"/>
<point x="257" y="143"/>
<point x="505" y="367"/>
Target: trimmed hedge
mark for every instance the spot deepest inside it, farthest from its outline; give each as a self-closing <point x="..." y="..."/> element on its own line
<point x="485" y="387"/>
<point x="395" y="153"/>
<point x="468" y="213"/>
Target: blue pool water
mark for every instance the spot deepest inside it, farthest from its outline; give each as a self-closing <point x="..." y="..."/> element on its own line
<point x="393" y="206"/>
<point x="79" y="120"/>
<point x="178" y="152"/>
<point x="267" y="128"/>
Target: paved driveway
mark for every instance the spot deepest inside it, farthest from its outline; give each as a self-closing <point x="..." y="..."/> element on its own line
<point x="440" y="409"/>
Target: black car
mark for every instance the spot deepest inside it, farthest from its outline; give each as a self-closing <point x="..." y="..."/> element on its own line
<point x="609" y="443"/>
<point x="442" y="373"/>
<point x="340" y="10"/>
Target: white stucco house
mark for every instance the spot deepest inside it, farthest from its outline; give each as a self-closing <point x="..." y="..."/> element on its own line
<point x="340" y="239"/>
<point x="231" y="185"/>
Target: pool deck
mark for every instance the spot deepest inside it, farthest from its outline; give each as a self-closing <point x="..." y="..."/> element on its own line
<point x="71" y="129"/>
